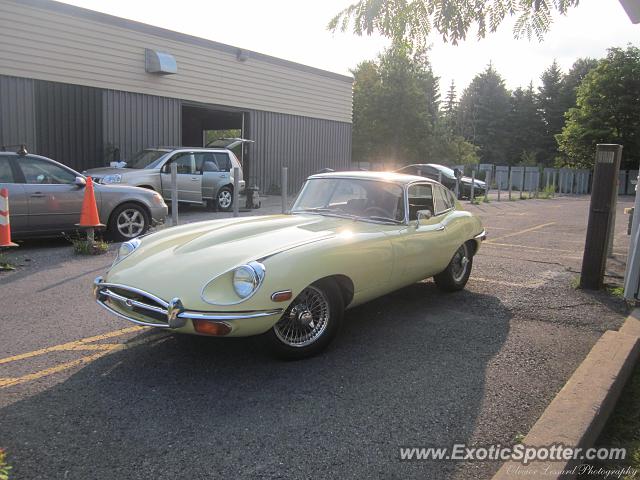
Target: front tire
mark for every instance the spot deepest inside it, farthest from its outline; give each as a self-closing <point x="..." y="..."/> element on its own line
<point x="456" y="275"/>
<point x="128" y="221"/>
<point x="310" y="322"/>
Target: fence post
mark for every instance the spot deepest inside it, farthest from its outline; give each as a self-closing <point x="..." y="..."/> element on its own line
<point x="498" y="183"/>
<point x="473" y="185"/>
<point x="285" y="202"/>
<point x="488" y="186"/>
<point x="439" y="176"/>
<point x="510" y="186"/>
<point x="524" y="174"/>
<point x="174" y="194"/>
<point x="236" y="188"/>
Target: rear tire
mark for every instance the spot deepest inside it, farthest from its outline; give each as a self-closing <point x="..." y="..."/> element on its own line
<point x="128" y="221"/>
<point x="456" y="275"/>
<point x="310" y="322"/>
<point x="225" y="199"/>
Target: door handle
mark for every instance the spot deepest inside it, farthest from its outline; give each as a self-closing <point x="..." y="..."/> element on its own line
<point x="440" y="228"/>
<point x="37" y="195"/>
<point x="194" y="179"/>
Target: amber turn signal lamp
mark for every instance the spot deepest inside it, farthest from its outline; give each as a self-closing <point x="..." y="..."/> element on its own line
<point x="211" y="328"/>
<point x="281" y="296"/>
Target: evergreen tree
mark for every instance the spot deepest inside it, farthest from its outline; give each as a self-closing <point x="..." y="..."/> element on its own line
<point x="552" y="108"/>
<point x="484" y="107"/>
<point x="451" y="111"/>
<point x="573" y="79"/>
<point x="525" y="128"/>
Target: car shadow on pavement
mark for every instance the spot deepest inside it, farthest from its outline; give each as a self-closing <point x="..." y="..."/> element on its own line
<point x="406" y="370"/>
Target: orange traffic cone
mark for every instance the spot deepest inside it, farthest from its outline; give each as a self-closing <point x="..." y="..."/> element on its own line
<point x="5" y="227"/>
<point x="89" y="215"/>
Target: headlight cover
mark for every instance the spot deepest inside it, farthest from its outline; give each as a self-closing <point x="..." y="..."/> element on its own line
<point x="126" y="249"/>
<point x="247" y="278"/>
<point x="115" y="178"/>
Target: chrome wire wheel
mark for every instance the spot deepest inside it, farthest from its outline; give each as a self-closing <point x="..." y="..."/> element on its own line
<point x="130" y="223"/>
<point x="305" y="320"/>
<point x="460" y="264"/>
<point x="224" y="199"/>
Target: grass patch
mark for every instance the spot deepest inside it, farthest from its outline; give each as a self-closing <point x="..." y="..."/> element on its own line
<point x="623" y="428"/>
<point x="5" y="265"/>
<point x="548" y="192"/>
<point x="82" y="246"/>
<point x="615" y="290"/>
<point x="575" y="283"/>
<point x="4" y="466"/>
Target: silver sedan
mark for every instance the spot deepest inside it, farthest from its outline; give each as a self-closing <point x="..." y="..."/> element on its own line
<point x="45" y="198"/>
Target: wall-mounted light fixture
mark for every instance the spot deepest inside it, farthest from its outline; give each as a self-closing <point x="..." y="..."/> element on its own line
<point x="242" y="55"/>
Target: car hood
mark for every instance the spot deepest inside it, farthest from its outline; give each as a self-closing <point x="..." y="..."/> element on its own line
<point x="102" y="172"/>
<point x="469" y="180"/>
<point x="203" y="250"/>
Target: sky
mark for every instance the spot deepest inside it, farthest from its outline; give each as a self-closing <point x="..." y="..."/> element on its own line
<point x="296" y="30"/>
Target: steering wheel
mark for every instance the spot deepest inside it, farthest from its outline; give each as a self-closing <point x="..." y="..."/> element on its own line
<point x="375" y="212"/>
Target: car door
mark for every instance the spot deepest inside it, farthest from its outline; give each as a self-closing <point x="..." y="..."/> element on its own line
<point x="18" y="204"/>
<point x="55" y="201"/>
<point x="419" y="247"/>
<point x="189" y="178"/>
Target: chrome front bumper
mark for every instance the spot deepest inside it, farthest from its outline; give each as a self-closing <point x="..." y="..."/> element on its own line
<point x="482" y="236"/>
<point x="154" y="307"/>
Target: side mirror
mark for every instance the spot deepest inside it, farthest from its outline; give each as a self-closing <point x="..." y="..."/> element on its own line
<point x="423" y="215"/>
<point x="80" y="182"/>
<point x="457" y="173"/>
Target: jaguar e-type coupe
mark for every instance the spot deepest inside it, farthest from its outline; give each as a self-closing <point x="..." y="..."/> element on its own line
<point x="350" y="237"/>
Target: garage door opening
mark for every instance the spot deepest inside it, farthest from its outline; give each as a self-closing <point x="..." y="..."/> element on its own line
<point x="202" y="125"/>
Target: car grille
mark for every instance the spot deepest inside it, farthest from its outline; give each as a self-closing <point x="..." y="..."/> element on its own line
<point x="151" y="309"/>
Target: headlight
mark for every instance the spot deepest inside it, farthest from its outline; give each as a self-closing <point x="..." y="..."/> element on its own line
<point x="116" y="178"/>
<point x="126" y="249"/>
<point x="247" y="278"/>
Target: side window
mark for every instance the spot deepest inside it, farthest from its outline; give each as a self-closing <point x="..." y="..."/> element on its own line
<point x="452" y="197"/>
<point x="186" y="163"/>
<point x="41" y="172"/>
<point x="223" y="162"/>
<point x="206" y="162"/>
<point x="420" y="198"/>
<point x="443" y="200"/>
<point x="6" y="175"/>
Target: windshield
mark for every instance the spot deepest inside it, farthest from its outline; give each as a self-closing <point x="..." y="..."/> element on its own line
<point x="352" y="198"/>
<point x="145" y="159"/>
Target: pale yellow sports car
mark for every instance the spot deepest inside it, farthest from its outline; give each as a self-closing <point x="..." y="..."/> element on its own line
<point x="350" y="237"/>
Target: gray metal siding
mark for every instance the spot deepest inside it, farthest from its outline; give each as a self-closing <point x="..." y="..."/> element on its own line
<point x="304" y="145"/>
<point x="17" y="112"/>
<point x="134" y="121"/>
<point x="69" y="124"/>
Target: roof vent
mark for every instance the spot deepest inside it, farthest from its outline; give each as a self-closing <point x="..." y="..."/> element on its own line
<point x="242" y="55"/>
<point x="160" y="63"/>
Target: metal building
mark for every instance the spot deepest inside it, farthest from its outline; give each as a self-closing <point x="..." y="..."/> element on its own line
<point x="86" y="88"/>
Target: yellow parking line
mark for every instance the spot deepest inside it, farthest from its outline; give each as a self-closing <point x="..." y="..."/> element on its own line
<point x="520" y="232"/>
<point x="542" y="249"/>
<point x="71" y="345"/>
<point x="11" y="381"/>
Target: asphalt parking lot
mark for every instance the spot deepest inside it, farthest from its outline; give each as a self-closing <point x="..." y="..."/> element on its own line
<point x="84" y="395"/>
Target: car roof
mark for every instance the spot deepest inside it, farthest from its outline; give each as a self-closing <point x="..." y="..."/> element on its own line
<point x="402" y="178"/>
<point x="204" y="149"/>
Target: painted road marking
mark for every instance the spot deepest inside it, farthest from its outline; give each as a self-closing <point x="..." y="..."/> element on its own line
<point x="520" y="232"/>
<point x="11" y="381"/>
<point x="542" y="249"/>
<point x="76" y="345"/>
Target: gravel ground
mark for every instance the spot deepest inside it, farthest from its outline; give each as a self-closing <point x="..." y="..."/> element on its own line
<point x="414" y="368"/>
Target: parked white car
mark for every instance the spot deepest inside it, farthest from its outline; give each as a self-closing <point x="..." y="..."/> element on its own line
<point x="204" y="174"/>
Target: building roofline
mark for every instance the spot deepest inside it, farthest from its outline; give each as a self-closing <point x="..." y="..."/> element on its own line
<point x="100" y="17"/>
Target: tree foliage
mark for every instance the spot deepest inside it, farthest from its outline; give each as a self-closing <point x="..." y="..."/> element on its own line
<point x="525" y="128"/>
<point x="552" y="108"/>
<point x="411" y="21"/>
<point x="483" y="111"/>
<point x="607" y="111"/>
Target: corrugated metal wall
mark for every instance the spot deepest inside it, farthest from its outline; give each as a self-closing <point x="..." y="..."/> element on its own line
<point x="133" y="121"/>
<point x="69" y="123"/>
<point x="304" y="145"/>
<point x="17" y="112"/>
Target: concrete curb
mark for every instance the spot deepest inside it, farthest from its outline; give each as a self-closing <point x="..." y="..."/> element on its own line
<point x="578" y="413"/>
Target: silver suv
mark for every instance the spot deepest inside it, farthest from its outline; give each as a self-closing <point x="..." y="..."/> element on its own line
<point x="205" y="175"/>
<point x="45" y="198"/>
